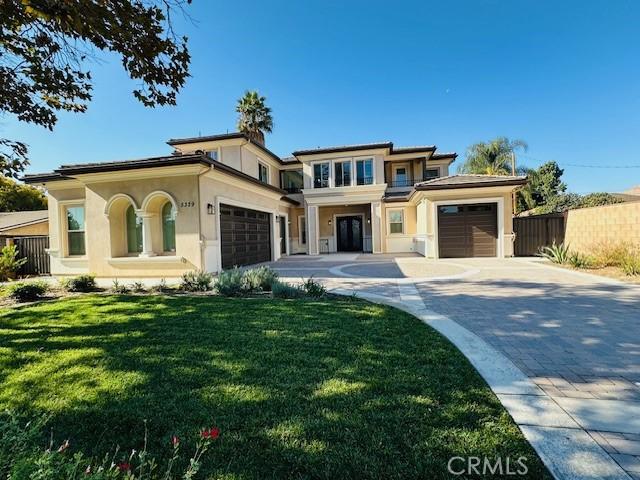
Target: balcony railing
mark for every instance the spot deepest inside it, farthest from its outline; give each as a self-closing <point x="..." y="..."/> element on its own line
<point x="408" y="182"/>
<point x="364" y="181"/>
<point x="292" y="189"/>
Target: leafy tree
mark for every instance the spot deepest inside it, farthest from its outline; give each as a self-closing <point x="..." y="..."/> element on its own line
<point x="491" y="158"/>
<point x="254" y="117"/>
<point x="569" y="201"/>
<point x="44" y="45"/>
<point x="16" y="197"/>
<point x="543" y="185"/>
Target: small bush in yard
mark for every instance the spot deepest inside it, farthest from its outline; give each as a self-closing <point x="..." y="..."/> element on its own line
<point x="117" y="287"/>
<point x="161" y="286"/>
<point x="81" y="283"/>
<point x="196" y="281"/>
<point x="314" y="288"/>
<point x="556" y="253"/>
<point x="286" y="290"/>
<point x="138" y="287"/>
<point x="259" y="279"/>
<point x="612" y="254"/>
<point x="25" y="291"/>
<point x="9" y="262"/>
<point x="230" y="283"/>
<point x="631" y="265"/>
<point x="578" y="260"/>
<point x="22" y="458"/>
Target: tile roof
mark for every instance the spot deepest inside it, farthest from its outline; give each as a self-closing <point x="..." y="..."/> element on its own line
<point x="469" y="181"/>
<point x="9" y="220"/>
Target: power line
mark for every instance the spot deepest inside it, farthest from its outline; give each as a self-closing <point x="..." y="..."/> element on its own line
<point x="577" y="165"/>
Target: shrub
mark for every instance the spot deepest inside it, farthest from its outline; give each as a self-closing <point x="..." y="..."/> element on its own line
<point x="138" y="287"/>
<point x="313" y="288"/>
<point x="161" y="286"/>
<point x="9" y="262"/>
<point x="286" y="290"/>
<point x="631" y="265"/>
<point x="196" y="281"/>
<point x="556" y="253"/>
<point x="230" y="283"/>
<point x="22" y="458"/>
<point x="117" y="287"/>
<point x="612" y="254"/>
<point x="81" y="283"/>
<point x="578" y="260"/>
<point x="259" y="279"/>
<point x="25" y="291"/>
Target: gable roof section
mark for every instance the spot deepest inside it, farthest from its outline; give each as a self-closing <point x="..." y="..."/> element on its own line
<point x="11" y="220"/>
<point x="226" y="136"/>
<point x="471" y="181"/>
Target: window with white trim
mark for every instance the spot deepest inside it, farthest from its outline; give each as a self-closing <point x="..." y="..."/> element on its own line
<point x="342" y="173"/>
<point x="321" y="174"/>
<point x="364" y="171"/>
<point x="75" y="230"/>
<point x="263" y="172"/>
<point x="396" y="221"/>
<point x="431" y="173"/>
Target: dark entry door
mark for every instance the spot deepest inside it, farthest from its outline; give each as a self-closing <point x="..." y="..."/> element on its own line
<point x="245" y="236"/>
<point x="283" y="236"/>
<point x="467" y="230"/>
<point x="349" y="230"/>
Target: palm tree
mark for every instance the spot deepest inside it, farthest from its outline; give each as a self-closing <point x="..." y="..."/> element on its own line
<point x="491" y="158"/>
<point x="254" y="117"/>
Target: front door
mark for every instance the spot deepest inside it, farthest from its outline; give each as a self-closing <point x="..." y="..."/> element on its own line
<point x="349" y="230"/>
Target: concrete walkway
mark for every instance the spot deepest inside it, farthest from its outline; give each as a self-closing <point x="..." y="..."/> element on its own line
<point x="561" y="350"/>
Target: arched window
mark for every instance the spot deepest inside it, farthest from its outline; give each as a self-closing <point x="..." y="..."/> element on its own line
<point x="134" y="231"/>
<point x="168" y="228"/>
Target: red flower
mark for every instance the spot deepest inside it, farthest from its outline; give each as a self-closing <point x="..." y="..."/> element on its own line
<point x="124" y="466"/>
<point x="175" y="441"/>
<point x="210" y="434"/>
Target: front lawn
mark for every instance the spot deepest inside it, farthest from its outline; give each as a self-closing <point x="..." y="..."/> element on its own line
<point x="299" y="389"/>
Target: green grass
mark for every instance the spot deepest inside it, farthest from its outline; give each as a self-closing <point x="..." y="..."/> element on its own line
<point x="300" y="389"/>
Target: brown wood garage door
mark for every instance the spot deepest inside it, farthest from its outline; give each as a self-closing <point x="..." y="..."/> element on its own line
<point x="467" y="230"/>
<point x="245" y="236"/>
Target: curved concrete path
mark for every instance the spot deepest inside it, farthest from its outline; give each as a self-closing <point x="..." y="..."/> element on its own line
<point x="560" y="349"/>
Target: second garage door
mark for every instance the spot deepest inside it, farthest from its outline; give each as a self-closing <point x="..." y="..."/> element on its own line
<point x="467" y="230"/>
<point x="245" y="236"/>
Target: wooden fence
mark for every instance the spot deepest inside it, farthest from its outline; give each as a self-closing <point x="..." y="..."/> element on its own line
<point x="34" y="250"/>
<point x="535" y="232"/>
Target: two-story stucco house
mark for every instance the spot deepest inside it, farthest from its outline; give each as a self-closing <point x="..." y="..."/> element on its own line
<point x="224" y="200"/>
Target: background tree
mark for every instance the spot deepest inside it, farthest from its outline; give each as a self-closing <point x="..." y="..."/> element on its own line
<point x="16" y="197"/>
<point x="44" y="45"/>
<point x="254" y="117"/>
<point x="543" y="185"/>
<point x="491" y="158"/>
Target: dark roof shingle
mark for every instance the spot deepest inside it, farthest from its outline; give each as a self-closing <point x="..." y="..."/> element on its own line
<point x="469" y="181"/>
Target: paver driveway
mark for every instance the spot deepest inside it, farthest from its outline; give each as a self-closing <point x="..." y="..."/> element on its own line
<point x="576" y="336"/>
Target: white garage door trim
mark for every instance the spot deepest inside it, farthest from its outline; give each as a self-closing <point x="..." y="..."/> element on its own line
<point x="434" y="221"/>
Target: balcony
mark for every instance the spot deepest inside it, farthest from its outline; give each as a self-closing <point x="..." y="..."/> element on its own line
<point x="408" y="182"/>
<point x="292" y="189"/>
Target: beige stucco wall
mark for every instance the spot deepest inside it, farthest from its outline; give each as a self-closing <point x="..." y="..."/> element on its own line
<point x="399" y="242"/>
<point x="588" y="227"/>
<point x="41" y="228"/>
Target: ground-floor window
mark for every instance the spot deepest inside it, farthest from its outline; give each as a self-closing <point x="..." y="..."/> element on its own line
<point x="134" y="231"/>
<point x="168" y="228"/>
<point x="396" y="220"/>
<point x="302" y="230"/>
<point x="75" y="230"/>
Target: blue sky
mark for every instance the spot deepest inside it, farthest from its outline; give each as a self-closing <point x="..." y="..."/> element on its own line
<point x="564" y="76"/>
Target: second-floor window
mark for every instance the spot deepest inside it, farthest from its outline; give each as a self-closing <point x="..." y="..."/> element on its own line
<point x="343" y="173"/>
<point x="321" y="175"/>
<point x="431" y="173"/>
<point x="263" y="172"/>
<point x="291" y="180"/>
<point x="364" y="171"/>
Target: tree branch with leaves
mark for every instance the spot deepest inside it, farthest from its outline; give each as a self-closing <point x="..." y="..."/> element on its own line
<point x="46" y="44"/>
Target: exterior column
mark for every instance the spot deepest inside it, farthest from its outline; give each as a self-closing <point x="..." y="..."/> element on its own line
<point x="312" y="230"/>
<point x="147" y="243"/>
<point x="376" y="227"/>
